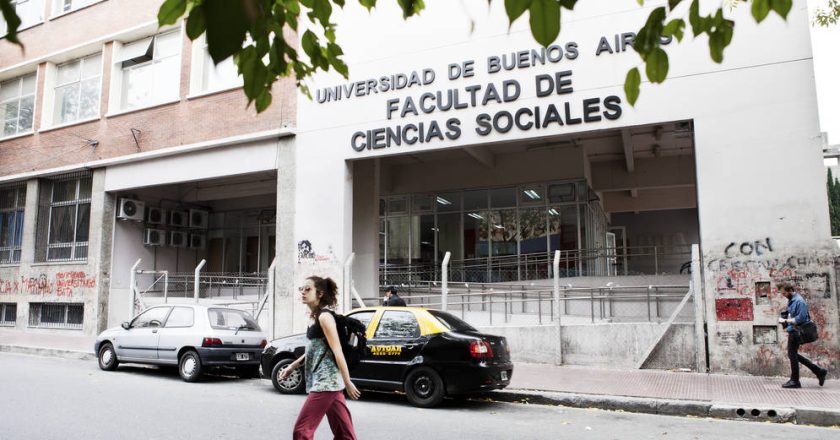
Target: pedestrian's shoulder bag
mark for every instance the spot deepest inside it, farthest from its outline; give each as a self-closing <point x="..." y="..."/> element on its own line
<point x="807" y="331"/>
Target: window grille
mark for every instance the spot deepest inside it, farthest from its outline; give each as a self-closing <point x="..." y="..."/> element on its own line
<point x="8" y="314"/>
<point x="64" y="218"/>
<point x="56" y="315"/>
<point x="12" y="203"/>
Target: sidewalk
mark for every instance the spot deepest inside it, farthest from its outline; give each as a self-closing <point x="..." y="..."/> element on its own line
<point x="649" y="391"/>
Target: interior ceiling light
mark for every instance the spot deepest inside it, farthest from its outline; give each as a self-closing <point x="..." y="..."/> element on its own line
<point x="443" y="201"/>
<point x="498" y="226"/>
<point x="553" y="211"/>
<point x="532" y="194"/>
<point x="475" y="216"/>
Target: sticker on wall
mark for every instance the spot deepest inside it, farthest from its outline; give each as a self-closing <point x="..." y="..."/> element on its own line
<point x="762" y="292"/>
<point x="734" y="309"/>
<point x="765" y="334"/>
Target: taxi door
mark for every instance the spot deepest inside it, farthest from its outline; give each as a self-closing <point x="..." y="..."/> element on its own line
<point x="396" y="342"/>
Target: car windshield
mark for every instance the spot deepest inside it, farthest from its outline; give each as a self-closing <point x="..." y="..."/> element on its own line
<point x="452" y="322"/>
<point x="231" y="319"/>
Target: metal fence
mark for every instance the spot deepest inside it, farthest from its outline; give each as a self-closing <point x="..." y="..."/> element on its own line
<point x="634" y="260"/>
<point x="210" y="285"/>
<point x="497" y="304"/>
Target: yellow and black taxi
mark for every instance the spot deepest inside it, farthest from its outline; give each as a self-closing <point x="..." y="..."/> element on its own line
<point x="427" y="354"/>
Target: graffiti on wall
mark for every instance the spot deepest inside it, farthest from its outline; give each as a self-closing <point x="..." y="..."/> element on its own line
<point x="306" y="252"/>
<point x="62" y="284"/>
<point x="745" y="277"/>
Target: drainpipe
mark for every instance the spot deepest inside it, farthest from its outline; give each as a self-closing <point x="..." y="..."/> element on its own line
<point x="196" y="278"/>
<point x="132" y="291"/>
<point x="444" y="270"/>
<point x="558" y="344"/>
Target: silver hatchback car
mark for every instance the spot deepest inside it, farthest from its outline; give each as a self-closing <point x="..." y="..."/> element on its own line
<point x="196" y="338"/>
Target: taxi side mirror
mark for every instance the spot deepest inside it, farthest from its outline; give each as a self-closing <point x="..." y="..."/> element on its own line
<point x="125" y="325"/>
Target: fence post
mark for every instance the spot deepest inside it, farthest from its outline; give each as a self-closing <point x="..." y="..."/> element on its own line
<point x="165" y="286"/>
<point x="655" y="262"/>
<point x="196" y="278"/>
<point x="648" y="301"/>
<point x="444" y="270"/>
<point x="699" y="309"/>
<point x="555" y="310"/>
<point x="132" y="288"/>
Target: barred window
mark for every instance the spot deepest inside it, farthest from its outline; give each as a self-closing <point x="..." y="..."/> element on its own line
<point x="64" y="219"/>
<point x="8" y="314"/>
<point x="56" y="315"/>
<point x="12" y="202"/>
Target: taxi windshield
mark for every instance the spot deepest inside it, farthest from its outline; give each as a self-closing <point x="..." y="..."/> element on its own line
<point x="452" y="322"/>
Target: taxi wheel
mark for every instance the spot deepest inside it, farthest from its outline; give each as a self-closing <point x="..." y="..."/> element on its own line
<point x="190" y="366"/>
<point x="294" y="384"/>
<point x="108" y="358"/>
<point x="424" y="387"/>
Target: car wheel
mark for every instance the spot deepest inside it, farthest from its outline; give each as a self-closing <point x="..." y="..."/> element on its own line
<point x="189" y="367"/>
<point x="424" y="387"/>
<point x="249" y="372"/>
<point x="294" y="384"/>
<point x="108" y="358"/>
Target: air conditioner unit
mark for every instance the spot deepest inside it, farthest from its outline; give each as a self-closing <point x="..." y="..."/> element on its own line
<point x="154" y="237"/>
<point x="155" y="216"/>
<point x="199" y="218"/>
<point x="179" y="218"/>
<point x="131" y="210"/>
<point x="178" y="239"/>
<point x="197" y="241"/>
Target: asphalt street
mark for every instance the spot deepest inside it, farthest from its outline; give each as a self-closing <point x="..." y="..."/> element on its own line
<point x="53" y="398"/>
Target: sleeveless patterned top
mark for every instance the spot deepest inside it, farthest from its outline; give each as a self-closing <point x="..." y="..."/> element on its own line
<point x="327" y="376"/>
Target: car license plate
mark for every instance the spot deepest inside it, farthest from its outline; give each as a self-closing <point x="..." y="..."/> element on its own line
<point x="242" y="356"/>
<point x="504" y="375"/>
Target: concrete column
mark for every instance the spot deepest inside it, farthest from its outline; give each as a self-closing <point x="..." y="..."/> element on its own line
<point x="100" y="245"/>
<point x="30" y="223"/>
<point x="284" y="281"/>
<point x="366" y="228"/>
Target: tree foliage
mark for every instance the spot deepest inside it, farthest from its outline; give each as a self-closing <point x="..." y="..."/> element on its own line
<point x="253" y="32"/>
<point x="833" y="187"/>
<point x="829" y="16"/>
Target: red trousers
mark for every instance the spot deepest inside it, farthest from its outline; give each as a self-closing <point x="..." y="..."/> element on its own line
<point x="318" y="404"/>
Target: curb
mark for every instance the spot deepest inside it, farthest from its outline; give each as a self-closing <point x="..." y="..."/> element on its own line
<point x="48" y="352"/>
<point x="739" y="412"/>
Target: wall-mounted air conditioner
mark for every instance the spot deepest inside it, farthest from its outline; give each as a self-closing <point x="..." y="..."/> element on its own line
<point x="178" y="239"/>
<point x="155" y="216"/>
<point x="179" y="218"/>
<point x="130" y="209"/>
<point x="198" y="241"/>
<point x="199" y="218"/>
<point x="154" y="237"/>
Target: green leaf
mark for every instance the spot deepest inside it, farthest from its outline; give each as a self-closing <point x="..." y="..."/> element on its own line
<point x="195" y="23"/>
<point x="263" y="101"/>
<point x="673" y="4"/>
<point x="227" y="24"/>
<point x="649" y="36"/>
<point x="631" y="85"/>
<point x="292" y="6"/>
<point x="515" y="8"/>
<point x="698" y="22"/>
<point x="640" y="2"/>
<point x="254" y="73"/>
<point x="568" y="4"/>
<point x="656" y="65"/>
<point x="545" y="20"/>
<point x="12" y="22"/>
<point x="760" y="9"/>
<point x="369" y="4"/>
<point x="674" y="28"/>
<point x="411" y="7"/>
<point x="170" y="11"/>
<point x="782" y="7"/>
<point x="322" y="9"/>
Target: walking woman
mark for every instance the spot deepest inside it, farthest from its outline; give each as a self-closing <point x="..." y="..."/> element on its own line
<point x="325" y="369"/>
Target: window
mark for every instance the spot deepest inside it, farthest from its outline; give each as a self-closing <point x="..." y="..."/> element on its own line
<point x="150" y="70"/>
<point x="77" y="89"/>
<point x="8" y="314"/>
<point x="17" y="102"/>
<point x="364" y="317"/>
<point x="181" y="317"/>
<point x="400" y="325"/>
<point x="451" y="322"/>
<point x="29" y="12"/>
<point x="231" y="319"/>
<point x="56" y="315"/>
<point x="64" y="219"/>
<point x="218" y="76"/>
<point x="12" y="202"/>
<point x="151" y="318"/>
<point x="61" y="6"/>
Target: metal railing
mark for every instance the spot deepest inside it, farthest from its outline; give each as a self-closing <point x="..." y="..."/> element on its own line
<point x="495" y="304"/>
<point x="632" y="260"/>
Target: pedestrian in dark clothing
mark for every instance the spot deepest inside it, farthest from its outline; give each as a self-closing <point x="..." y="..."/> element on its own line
<point x="797" y="314"/>
<point x="391" y="297"/>
<point x="326" y="372"/>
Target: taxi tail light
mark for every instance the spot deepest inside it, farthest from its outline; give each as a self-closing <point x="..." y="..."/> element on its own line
<point x="263" y="343"/>
<point x="211" y="342"/>
<point x="481" y="349"/>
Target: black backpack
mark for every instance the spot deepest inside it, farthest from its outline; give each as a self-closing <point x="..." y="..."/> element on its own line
<point x="352" y="334"/>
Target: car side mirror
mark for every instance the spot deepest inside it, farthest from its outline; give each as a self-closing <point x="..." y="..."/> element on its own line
<point x="126" y="325"/>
